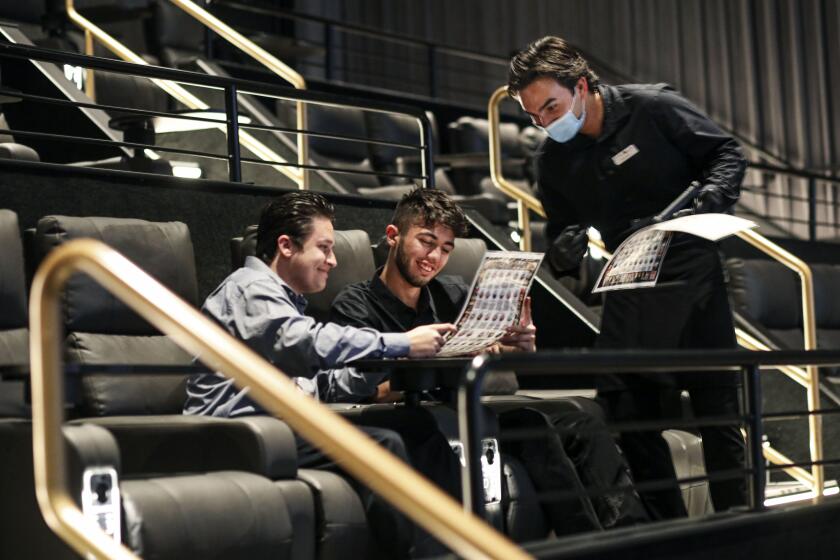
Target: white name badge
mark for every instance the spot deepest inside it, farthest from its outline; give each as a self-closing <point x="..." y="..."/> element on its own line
<point x="625" y="154"/>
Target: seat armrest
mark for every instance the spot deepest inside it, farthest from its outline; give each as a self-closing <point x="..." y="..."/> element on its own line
<point x="181" y="444"/>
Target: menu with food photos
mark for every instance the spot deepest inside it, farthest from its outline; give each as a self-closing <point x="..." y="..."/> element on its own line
<point x="637" y="261"/>
<point x="495" y="302"/>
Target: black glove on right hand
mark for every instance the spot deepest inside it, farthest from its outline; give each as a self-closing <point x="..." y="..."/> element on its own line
<point x="568" y="248"/>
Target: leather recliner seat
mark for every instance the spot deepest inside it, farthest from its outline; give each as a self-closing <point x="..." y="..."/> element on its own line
<point x="143" y="412"/>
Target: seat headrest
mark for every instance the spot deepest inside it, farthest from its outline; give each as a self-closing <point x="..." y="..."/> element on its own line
<point x="338" y="120"/>
<point x="177" y="29"/>
<point x="12" y="284"/>
<point x="162" y="249"/>
<point x="389" y="127"/>
<point x="826" y="282"/>
<point x="355" y="264"/>
<point x="470" y="134"/>
<point x="766" y="291"/>
<point x="463" y="260"/>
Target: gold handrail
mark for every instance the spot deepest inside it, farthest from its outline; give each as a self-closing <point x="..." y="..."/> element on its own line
<point x="525" y="201"/>
<point x="809" y="331"/>
<point x="175" y="90"/>
<point x="266" y="59"/>
<point x="359" y="455"/>
<point x="809" y="377"/>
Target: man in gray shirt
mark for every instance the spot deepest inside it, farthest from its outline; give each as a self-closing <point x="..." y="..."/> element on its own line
<point x="262" y="304"/>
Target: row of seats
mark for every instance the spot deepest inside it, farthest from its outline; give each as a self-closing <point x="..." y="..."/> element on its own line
<point x="227" y="488"/>
<point x="142" y="412"/>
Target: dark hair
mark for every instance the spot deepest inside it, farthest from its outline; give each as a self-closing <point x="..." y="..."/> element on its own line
<point x="290" y="214"/>
<point x="429" y="207"/>
<point x="551" y="57"/>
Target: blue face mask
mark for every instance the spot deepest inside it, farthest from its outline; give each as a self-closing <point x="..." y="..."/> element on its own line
<point x="566" y="127"/>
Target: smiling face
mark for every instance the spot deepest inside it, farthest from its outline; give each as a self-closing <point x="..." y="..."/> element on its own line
<point x="421" y="252"/>
<point x="545" y="100"/>
<point x="309" y="265"/>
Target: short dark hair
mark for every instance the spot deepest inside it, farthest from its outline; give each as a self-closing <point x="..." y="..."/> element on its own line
<point x="429" y="207"/>
<point x="551" y="57"/>
<point x="290" y="214"/>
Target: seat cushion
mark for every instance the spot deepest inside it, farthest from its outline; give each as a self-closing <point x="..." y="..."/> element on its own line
<point x="116" y="393"/>
<point x="766" y="291"/>
<point x="12" y="150"/>
<point x="218" y="515"/>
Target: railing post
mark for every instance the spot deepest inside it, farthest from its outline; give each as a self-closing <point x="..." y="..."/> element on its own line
<point x="470" y="428"/>
<point x="232" y="114"/>
<point x="812" y="208"/>
<point x="208" y="36"/>
<point x="752" y="386"/>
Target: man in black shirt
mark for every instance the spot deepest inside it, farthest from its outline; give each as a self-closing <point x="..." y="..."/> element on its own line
<point x="407" y="292"/>
<point x="615" y="156"/>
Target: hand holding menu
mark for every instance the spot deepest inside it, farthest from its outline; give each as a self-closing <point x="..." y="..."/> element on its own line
<point x="495" y="302"/>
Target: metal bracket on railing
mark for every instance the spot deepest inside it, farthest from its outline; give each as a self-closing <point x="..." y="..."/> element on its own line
<point x="420" y="500"/>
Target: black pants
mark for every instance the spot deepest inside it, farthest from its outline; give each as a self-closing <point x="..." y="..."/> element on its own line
<point x="576" y="466"/>
<point x="689" y="309"/>
<point x="412" y="435"/>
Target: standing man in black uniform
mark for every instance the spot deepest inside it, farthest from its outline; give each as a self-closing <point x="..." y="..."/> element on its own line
<point x="615" y="156"/>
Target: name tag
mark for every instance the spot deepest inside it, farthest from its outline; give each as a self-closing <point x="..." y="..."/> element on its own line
<point x="625" y="154"/>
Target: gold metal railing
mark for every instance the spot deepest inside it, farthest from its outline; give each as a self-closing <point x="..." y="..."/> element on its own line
<point x="807" y="377"/>
<point x="266" y="59"/>
<point x="525" y="201"/>
<point x="93" y="32"/>
<point x="359" y="455"/>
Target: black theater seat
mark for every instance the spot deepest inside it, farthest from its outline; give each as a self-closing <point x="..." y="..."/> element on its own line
<point x="232" y="512"/>
<point x="767" y="297"/>
<point x="144" y="411"/>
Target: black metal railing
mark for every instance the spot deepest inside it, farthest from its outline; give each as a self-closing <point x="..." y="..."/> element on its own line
<point x="232" y="88"/>
<point x="707" y="362"/>
<point x="428" y="56"/>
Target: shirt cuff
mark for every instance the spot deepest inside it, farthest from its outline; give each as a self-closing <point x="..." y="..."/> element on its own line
<point x="397" y="345"/>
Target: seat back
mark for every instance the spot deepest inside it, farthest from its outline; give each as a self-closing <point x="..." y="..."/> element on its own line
<point x="347" y="154"/>
<point x="767" y="293"/>
<point x="103" y="330"/>
<point x="14" y="336"/>
<point x="355" y="264"/>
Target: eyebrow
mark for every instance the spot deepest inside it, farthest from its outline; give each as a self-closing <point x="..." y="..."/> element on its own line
<point x="547" y="101"/>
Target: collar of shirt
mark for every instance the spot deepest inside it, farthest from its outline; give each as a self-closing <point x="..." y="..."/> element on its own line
<point x="398" y="309"/>
<point x="257" y="265"/>
<point x="615" y="112"/>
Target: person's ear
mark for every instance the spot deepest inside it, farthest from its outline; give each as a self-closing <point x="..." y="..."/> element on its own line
<point x="584" y="85"/>
<point x="285" y="246"/>
<point x="391" y="234"/>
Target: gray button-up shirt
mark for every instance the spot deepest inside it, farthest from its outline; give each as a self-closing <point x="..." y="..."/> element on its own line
<point x="255" y="305"/>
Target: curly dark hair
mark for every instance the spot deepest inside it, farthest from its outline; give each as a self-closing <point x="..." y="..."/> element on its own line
<point x="551" y="57"/>
<point x="429" y="207"/>
<point x="290" y="214"/>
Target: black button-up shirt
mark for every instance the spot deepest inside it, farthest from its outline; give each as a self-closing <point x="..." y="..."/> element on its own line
<point x="371" y="304"/>
<point x="653" y="144"/>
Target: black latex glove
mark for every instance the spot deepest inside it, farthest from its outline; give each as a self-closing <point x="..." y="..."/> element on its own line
<point x="709" y="200"/>
<point x="568" y="248"/>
